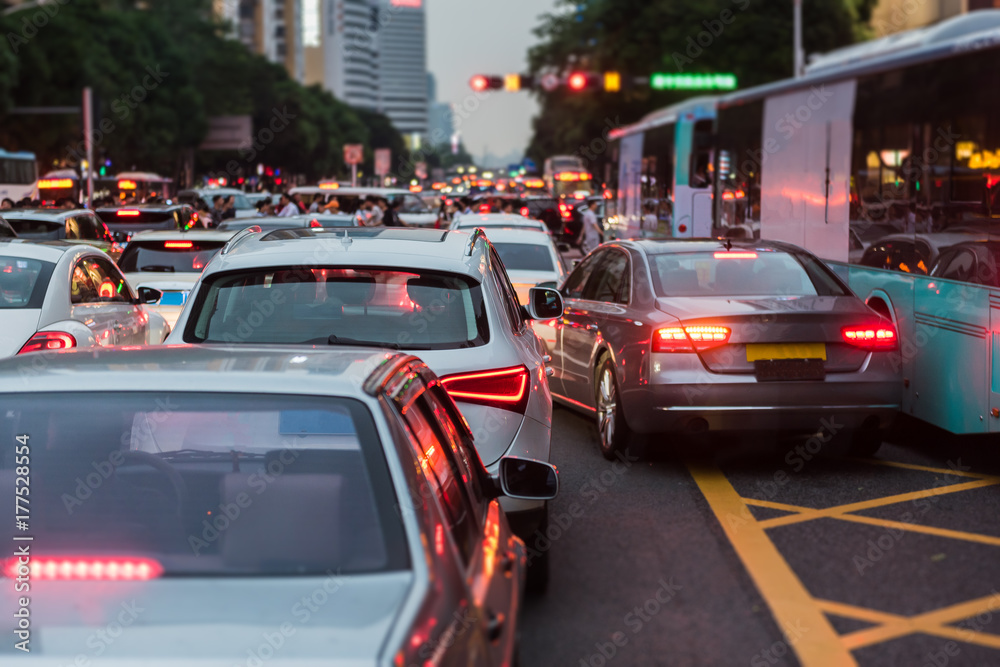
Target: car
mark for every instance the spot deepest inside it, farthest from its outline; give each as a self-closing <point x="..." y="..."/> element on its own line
<point x="489" y="220"/>
<point x="530" y="258"/>
<point x="970" y="261"/>
<point x="443" y="295"/>
<point x="670" y="338"/>
<point x="256" y="197"/>
<point x="125" y="221"/>
<point x="6" y="231"/>
<point x="56" y="295"/>
<point x="913" y="253"/>
<point x="269" y="223"/>
<point x="412" y="209"/>
<point x="226" y="503"/>
<point x="170" y="263"/>
<point x="241" y="203"/>
<point x="54" y="224"/>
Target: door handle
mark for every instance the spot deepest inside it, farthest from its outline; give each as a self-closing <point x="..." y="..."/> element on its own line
<point x="494" y="626"/>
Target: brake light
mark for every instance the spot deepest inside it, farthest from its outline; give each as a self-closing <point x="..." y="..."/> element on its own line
<point x="689" y="339"/>
<point x="315" y="223"/>
<point x="127" y="213"/>
<point x="735" y="255"/>
<point x="66" y="568"/>
<point x="506" y="388"/>
<point x="871" y="338"/>
<point x="178" y="244"/>
<point x="46" y="341"/>
<point x="525" y="211"/>
<point x="484" y="208"/>
<point x="55" y="183"/>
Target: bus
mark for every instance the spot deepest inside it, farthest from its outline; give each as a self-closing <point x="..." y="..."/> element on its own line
<point x="884" y="160"/>
<point x="666" y="160"/>
<point x="18" y="173"/>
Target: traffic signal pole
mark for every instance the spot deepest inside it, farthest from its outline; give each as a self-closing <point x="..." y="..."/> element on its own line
<point x="88" y="142"/>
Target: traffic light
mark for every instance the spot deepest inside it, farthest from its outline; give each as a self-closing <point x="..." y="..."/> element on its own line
<point x="481" y="82"/>
<point x="512" y="83"/>
<point x="577" y="81"/>
<point x="612" y="82"/>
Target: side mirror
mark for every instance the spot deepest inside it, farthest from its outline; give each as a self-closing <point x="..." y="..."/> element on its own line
<point x="544" y="303"/>
<point x="528" y="479"/>
<point x="149" y="295"/>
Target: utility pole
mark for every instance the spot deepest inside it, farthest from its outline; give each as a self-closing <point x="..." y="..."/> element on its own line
<point x="799" y="53"/>
<point x="88" y="139"/>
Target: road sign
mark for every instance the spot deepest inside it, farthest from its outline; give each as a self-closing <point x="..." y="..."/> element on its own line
<point x="383" y="161"/>
<point x="354" y="153"/>
<point x="692" y="81"/>
<point x="420" y="169"/>
<point x="550" y="81"/>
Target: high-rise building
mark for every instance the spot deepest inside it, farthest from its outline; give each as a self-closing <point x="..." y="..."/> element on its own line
<point x="440" y="116"/>
<point x="272" y="28"/>
<point x="346" y="60"/>
<point x="402" y="62"/>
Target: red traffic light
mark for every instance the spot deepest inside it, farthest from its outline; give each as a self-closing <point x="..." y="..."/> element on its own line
<point x="577" y="81"/>
<point x="481" y="82"/>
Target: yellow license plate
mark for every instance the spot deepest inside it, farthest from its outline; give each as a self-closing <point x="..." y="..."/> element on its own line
<point x="764" y="351"/>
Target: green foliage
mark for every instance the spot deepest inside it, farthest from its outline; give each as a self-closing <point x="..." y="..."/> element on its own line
<point x="752" y="39"/>
<point x="158" y="75"/>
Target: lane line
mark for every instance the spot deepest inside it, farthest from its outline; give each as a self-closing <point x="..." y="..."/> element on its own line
<point x="913" y="466"/>
<point x="876" y="502"/>
<point x="789" y="601"/>
<point x="921" y="528"/>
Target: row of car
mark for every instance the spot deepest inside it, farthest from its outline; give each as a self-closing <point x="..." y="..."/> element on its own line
<point x="286" y="446"/>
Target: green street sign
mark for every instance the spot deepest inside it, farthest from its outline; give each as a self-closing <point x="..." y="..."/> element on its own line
<point x="692" y="81"/>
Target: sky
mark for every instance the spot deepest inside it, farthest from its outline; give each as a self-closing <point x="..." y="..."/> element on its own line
<point x="467" y="37"/>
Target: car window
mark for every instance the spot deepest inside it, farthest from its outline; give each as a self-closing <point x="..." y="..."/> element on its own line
<point x="961" y="267"/>
<point x="444" y="477"/>
<point x="170" y="256"/>
<point x="257" y="485"/>
<point x="97" y="281"/>
<point x="85" y="227"/>
<point x="38" y="228"/>
<point x="507" y="293"/>
<point x="525" y="256"/>
<point x="608" y="277"/>
<point x="577" y="281"/>
<point x="407" y="308"/>
<point x="23" y="282"/>
<point x="6" y="231"/>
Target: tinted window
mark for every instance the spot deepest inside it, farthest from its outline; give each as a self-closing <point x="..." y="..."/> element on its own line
<point x="406" y="308"/>
<point x="608" y="277"/>
<point x="214" y="484"/>
<point x="174" y="256"/>
<point x="578" y="279"/>
<point x="762" y="272"/>
<point x="6" y="231"/>
<point x="525" y="257"/>
<point x="23" y="282"/>
<point x="507" y="293"/>
<point x="961" y="266"/>
<point x="97" y="281"/>
<point x="84" y="227"/>
<point x="38" y="228"/>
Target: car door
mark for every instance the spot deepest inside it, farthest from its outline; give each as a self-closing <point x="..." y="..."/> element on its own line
<point x="116" y="301"/>
<point x="479" y="535"/>
<point x="578" y="328"/>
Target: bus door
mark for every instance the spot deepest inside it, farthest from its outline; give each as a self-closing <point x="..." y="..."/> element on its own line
<point x="695" y="168"/>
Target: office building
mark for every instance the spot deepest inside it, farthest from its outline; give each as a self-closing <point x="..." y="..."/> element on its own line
<point x="402" y="62"/>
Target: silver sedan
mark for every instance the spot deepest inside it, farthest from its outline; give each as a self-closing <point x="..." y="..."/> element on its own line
<point x="703" y="336"/>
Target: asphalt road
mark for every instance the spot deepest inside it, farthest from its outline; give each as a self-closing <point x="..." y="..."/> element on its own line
<point x="746" y="554"/>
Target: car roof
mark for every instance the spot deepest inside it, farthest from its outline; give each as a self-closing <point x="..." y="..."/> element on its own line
<point x="526" y="235"/>
<point x="315" y="189"/>
<point x="176" y="235"/>
<point x="428" y="249"/>
<point x="668" y="246"/>
<point x="49" y="213"/>
<point x="142" y="207"/>
<point x="48" y="251"/>
<point x="498" y="219"/>
<point x="234" y="369"/>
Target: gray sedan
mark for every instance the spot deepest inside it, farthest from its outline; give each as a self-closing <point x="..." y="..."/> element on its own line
<point x="704" y="336"/>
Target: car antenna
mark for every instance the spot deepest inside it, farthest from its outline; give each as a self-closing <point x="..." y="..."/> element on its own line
<point x="346" y="240"/>
<point x="729" y="244"/>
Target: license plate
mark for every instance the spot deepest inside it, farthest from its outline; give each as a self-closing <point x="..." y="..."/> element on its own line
<point x="758" y="351"/>
<point x="777" y="370"/>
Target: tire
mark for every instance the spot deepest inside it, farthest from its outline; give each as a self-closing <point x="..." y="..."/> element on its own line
<point x="613" y="432"/>
<point x="865" y="442"/>
<point x="537" y="578"/>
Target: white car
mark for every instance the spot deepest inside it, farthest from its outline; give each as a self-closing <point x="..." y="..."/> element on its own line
<point x="529" y="256"/>
<point x="241" y="204"/>
<point x="471" y="221"/>
<point x="170" y="262"/>
<point x="412" y="210"/>
<point x="58" y="295"/>
<point x="443" y="295"/>
<point x="217" y="507"/>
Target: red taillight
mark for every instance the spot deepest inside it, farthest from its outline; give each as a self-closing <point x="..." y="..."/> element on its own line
<point x="484" y="208"/>
<point x="736" y="255"/>
<point x="178" y="244"/>
<point x="506" y="388"/>
<point x="111" y="568"/>
<point x="315" y="223"/>
<point x="46" y="341"/>
<point x="880" y="337"/>
<point x="525" y="211"/>
<point x="127" y="213"/>
<point x="688" y="339"/>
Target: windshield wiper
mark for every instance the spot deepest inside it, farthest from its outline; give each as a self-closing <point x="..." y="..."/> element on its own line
<point x="203" y="455"/>
<point x="161" y="268"/>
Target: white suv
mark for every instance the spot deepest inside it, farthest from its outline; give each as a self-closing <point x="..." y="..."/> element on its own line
<point x="442" y="295"/>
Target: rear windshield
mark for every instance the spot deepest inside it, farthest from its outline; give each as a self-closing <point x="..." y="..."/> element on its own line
<point x="77" y="227"/>
<point x="525" y="257"/>
<point x="175" y="256"/>
<point x="126" y="216"/>
<point x="741" y="273"/>
<point x="6" y="231"/>
<point x="400" y="308"/>
<point x="205" y="484"/>
<point x="23" y="282"/>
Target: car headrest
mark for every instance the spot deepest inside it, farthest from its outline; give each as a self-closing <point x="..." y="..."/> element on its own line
<point x="356" y="291"/>
<point x="426" y="291"/>
<point x="680" y="281"/>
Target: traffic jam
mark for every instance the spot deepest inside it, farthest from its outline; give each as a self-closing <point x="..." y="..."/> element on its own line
<point x="726" y="392"/>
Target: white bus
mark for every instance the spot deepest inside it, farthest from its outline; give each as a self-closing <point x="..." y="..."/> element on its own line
<point x="18" y="173"/>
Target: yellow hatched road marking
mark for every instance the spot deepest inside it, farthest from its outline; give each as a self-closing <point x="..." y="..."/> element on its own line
<point x="913" y="466"/>
<point x="790" y="602"/>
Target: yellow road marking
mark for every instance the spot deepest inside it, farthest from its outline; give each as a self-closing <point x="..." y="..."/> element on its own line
<point x="790" y="602"/>
<point x="770" y="504"/>
<point x="913" y="466"/>
<point x="920" y="528"/>
<point x="811" y="514"/>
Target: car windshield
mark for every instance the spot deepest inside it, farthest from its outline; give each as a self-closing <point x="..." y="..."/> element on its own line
<point x="400" y="308"/>
<point x="525" y="257"/>
<point x="173" y="256"/>
<point x="741" y="272"/>
<point x="23" y="282"/>
<point x="205" y="484"/>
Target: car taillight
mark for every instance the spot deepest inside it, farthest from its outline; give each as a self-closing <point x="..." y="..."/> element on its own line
<point x="879" y="337"/>
<point x="44" y="341"/>
<point x="506" y="388"/>
<point x="688" y="339"/>
<point x="525" y="211"/>
<point x="315" y="223"/>
<point x="66" y="568"/>
<point x="484" y="208"/>
<point x="127" y="213"/>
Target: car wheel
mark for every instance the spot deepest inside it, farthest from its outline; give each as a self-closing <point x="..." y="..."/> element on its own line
<point x="537" y="579"/>
<point x="865" y="442"/>
<point x="612" y="430"/>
